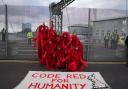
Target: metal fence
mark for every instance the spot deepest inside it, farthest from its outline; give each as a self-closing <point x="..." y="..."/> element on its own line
<point x="17" y="19"/>
<point x="97" y="24"/>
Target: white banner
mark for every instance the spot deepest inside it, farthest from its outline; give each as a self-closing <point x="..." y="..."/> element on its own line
<point x="63" y="80"/>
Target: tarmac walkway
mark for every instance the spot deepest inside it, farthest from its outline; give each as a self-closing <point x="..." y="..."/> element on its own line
<point x="13" y="71"/>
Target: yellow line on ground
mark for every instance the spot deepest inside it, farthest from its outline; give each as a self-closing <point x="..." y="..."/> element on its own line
<point x="28" y="61"/>
<point x="107" y="62"/>
<point x="17" y="61"/>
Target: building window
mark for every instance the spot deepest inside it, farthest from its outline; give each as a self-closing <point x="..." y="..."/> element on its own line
<point x="124" y="22"/>
<point x="97" y="32"/>
<point x="102" y="33"/>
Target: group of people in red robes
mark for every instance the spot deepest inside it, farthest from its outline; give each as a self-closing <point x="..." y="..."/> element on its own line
<point x="58" y="51"/>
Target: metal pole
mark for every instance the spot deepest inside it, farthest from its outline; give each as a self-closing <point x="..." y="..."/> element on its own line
<point x="55" y="22"/>
<point x="126" y="16"/>
<point x="88" y="36"/>
<point x="6" y="27"/>
<point x="89" y="12"/>
<point x="51" y="16"/>
<point x="61" y="22"/>
<point x="58" y="23"/>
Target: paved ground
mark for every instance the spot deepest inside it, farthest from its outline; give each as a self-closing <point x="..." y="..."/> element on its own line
<point x="100" y="53"/>
<point x="11" y="73"/>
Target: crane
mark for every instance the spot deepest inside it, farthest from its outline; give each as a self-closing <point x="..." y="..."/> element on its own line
<point x="56" y="14"/>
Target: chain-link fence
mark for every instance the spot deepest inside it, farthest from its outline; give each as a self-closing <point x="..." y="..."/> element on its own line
<point x="102" y="31"/>
<point x="17" y="21"/>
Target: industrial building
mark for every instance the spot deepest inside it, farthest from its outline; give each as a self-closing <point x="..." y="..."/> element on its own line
<point x="82" y="31"/>
<point x="26" y="27"/>
<point x="102" y="27"/>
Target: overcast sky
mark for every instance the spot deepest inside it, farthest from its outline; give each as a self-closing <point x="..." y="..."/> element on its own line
<point x="29" y="14"/>
<point x="111" y="4"/>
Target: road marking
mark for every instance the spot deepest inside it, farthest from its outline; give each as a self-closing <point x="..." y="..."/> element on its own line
<point x="28" y="61"/>
<point x="107" y="62"/>
<point x="17" y="61"/>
